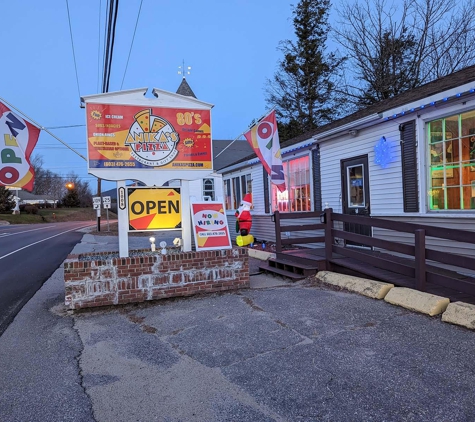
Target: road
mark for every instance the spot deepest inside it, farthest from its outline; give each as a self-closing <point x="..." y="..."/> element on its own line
<point x="29" y="254"/>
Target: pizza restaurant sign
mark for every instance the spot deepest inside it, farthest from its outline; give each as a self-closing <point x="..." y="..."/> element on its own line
<point x="135" y="137"/>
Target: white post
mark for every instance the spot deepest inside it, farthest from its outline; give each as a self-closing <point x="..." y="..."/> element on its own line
<point x="123" y="220"/>
<point x="186" y="215"/>
<point x="16" y="210"/>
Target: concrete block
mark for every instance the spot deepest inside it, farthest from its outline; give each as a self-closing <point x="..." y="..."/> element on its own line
<point x="460" y="313"/>
<point x="415" y="300"/>
<point x="363" y="286"/>
<point x="262" y="255"/>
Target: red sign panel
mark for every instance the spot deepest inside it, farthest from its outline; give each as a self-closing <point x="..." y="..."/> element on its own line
<point x="210" y="226"/>
<point x="131" y="137"/>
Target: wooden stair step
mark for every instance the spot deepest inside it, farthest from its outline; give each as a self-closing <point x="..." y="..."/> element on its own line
<point x="289" y="274"/>
<point x="292" y="263"/>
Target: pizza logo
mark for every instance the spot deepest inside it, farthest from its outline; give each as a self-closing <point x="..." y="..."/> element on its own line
<point x="152" y="139"/>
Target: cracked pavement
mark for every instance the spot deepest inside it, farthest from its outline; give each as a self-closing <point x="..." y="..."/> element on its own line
<point x="292" y="353"/>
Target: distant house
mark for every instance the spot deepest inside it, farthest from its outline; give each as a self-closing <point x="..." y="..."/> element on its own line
<point x="39" y="200"/>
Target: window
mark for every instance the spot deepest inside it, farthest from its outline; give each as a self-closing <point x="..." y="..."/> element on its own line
<point x="235" y="188"/>
<point x="451" y="159"/>
<point x="208" y="189"/>
<point x="297" y="197"/>
<point x="355" y="186"/>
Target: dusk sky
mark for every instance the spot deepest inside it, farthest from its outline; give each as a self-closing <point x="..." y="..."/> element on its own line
<point x="230" y="45"/>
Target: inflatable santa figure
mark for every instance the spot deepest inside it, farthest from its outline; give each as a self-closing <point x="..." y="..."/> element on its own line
<point x="244" y="221"/>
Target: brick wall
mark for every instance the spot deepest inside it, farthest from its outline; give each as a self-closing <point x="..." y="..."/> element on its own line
<point x="112" y="281"/>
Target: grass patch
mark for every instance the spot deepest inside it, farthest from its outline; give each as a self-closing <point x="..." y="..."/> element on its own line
<point x="51" y="215"/>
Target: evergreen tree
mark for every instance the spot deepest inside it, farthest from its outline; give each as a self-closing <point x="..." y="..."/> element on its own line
<point x="71" y="199"/>
<point x="389" y="72"/>
<point x="7" y="203"/>
<point x="302" y="90"/>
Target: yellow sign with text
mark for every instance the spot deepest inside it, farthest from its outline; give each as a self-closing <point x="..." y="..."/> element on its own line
<point x="154" y="208"/>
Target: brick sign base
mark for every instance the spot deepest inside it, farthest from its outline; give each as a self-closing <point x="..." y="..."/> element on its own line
<point x="91" y="281"/>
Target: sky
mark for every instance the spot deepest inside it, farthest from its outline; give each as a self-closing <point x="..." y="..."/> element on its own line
<point x="230" y="45"/>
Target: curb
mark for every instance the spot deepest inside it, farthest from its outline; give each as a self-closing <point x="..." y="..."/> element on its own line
<point x="457" y="313"/>
<point x="262" y="255"/>
<point x="415" y="300"/>
<point x="363" y="286"/>
<point x="460" y="313"/>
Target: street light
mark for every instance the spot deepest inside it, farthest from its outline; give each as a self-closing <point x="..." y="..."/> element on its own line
<point x="69" y="185"/>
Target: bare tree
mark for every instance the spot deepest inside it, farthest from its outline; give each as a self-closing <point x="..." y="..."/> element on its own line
<point x="54" y="185"/>
<point x="82" y="188"/>
<point x="46" y="181"/>
<point x="393" y="47"/>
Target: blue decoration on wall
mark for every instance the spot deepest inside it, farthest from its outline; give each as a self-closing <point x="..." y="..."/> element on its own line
<point x="382" y="152"/>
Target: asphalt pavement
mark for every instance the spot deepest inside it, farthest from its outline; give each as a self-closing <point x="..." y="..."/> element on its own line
<point x="28" y="256"/>
<point x="279" y="351"/>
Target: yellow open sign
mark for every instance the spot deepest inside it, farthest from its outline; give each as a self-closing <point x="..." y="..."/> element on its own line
<point x="154" y="208"/>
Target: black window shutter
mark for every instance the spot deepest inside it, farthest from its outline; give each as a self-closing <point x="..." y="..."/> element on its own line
<point x="266" y="190"/>
<point x="317" y="181"/>
<point x="410" y="186"/>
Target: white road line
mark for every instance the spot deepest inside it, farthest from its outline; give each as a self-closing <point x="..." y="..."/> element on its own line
<point x="39" y="241"/>
<point x="25" y="231"/>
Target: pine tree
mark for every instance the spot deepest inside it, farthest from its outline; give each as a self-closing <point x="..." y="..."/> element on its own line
<point x="71" y="199"/>
<point x="7" y="203"/>
<point x="302" y="90"/>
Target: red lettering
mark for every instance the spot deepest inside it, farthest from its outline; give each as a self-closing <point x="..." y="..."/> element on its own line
<point x="8" y="175"/>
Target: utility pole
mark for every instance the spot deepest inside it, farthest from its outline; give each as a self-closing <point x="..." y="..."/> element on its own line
<point x="99" y="194"/>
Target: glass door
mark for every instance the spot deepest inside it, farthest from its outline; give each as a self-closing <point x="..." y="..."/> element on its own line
<point x="355" y="193"/>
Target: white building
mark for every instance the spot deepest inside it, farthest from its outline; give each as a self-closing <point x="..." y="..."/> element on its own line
<point x="410" y="158"/>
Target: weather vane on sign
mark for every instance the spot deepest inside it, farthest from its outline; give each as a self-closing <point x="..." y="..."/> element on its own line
<point x="184" y="71"/>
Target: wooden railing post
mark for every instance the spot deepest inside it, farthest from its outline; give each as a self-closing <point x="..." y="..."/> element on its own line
<point x="420" y="258"/>
<point x="278" y="234"/>
<point x="328" y="234"/>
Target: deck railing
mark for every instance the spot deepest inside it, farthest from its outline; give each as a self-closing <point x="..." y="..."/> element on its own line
<point x="313" y="223"/>
<point x="413" y="258"/>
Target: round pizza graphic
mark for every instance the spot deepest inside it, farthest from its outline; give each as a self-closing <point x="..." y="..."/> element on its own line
<point x="152" y="139"/>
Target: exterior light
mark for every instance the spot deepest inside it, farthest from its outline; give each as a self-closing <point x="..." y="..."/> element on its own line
<point x="70" y="185"/>
<point x="152" y="241"/>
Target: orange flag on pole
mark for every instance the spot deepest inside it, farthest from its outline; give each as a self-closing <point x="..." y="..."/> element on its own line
<point x="264" y="139"/>
<point x="18" y="138"/>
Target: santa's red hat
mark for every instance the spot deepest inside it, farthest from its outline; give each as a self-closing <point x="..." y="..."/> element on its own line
<point x="247" y="200"/>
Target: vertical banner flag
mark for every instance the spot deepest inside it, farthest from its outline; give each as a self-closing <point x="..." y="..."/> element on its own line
<point x="17" y="140"/>
<point x="264" y="139"/>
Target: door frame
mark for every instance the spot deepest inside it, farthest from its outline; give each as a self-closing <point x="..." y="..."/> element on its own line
<point x="365" y="209"/>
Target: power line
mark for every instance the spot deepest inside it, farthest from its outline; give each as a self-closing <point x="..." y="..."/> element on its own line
<point x="54" y="145"/>
<point x="74" y="54"/>
<point x="99" y="45"/>
<point x="42" y="128"/>
<point x="55" y="148"/>
<point x="105" y="50"/>
<point x="63" y="127"/>
<point x="113" y="8"/>
<point x="131" y="44"/>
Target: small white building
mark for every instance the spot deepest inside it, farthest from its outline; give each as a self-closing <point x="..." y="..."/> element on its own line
<point x="410" y="158"/>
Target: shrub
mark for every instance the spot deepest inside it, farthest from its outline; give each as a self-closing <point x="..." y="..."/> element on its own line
<point x="31" y="209"/>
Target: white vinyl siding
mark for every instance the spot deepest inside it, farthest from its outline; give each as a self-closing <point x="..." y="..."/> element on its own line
<point x="385" y="183"/>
